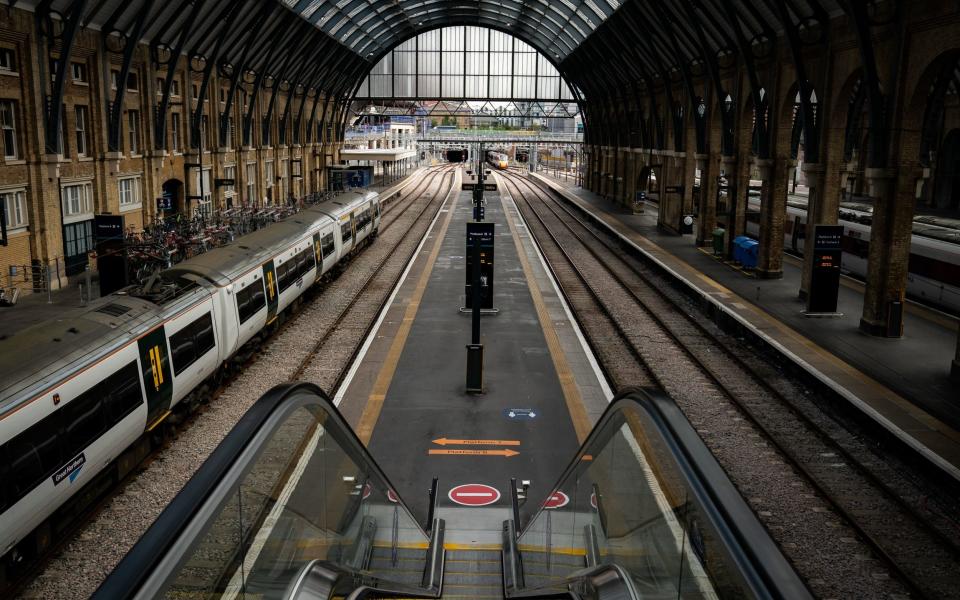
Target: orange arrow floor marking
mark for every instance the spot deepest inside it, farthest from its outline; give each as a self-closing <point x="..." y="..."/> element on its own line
<point x="506" y="452"/>
<point x="445" y="441"/>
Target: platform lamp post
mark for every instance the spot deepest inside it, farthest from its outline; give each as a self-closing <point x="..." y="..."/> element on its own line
<point x="475" y="348"/>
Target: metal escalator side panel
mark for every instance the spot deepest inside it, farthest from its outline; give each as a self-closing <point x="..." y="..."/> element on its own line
<point x="290" y="485"/>
<point x="644" y="493"/>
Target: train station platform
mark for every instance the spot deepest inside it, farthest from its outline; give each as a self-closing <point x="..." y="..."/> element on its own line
<point x="903" y="384"/>
<point x="406" y="398"/>
<point x="334" y="493"/>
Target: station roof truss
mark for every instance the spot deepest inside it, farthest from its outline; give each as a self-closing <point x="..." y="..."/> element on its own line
<point x="467" y="108"/>
<point x="599" y="48"/>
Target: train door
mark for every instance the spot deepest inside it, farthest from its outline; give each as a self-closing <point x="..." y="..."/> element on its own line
<point x="155" y="369"/>
<point x="273" y="297"/>
<point x="318" y="254"/>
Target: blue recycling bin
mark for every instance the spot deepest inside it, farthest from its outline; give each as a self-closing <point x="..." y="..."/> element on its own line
<point x="738" y="245"/>
<point x="749" y="253"/>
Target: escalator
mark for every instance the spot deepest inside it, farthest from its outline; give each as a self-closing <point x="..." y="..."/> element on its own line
<point x="291" y="506"/>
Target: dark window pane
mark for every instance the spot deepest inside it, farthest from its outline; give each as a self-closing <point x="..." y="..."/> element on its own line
<point x="83" y="421"/>
<point x="203" y="328"/>
<point x="33" y="455"/>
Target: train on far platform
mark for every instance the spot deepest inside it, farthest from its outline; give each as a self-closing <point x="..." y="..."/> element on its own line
<point x="497" y="159"/>
<point x="933" y="275"/>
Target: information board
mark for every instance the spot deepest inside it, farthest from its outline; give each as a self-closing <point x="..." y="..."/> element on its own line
<point x="480" y="234"/>
<point x="825" y="276"/>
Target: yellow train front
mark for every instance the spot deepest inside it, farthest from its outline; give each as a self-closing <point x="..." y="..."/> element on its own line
<point x="498" y="160"/>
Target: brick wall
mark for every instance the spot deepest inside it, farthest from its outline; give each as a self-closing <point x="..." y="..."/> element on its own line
<point x="42" y="176"/>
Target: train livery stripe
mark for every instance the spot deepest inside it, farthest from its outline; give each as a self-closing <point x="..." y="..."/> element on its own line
<point x="155" y="373"/>
<point x="273" y="299"/>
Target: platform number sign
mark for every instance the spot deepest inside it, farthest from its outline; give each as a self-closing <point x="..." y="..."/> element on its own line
<point x="155" y="370"/>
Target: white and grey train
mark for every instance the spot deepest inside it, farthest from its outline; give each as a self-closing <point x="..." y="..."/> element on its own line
<point x="934" y="269"/>
<point x="80" y="394"/>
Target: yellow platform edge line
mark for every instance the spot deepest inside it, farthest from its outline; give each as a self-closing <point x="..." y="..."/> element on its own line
<point x="571" y="394"/>
<point x="374" y="405"/>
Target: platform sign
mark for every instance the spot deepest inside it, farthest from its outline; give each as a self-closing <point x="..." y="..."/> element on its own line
<point x="474" y="494"/>
<point x="825" y="276"/>
<point x="108" y="227"/>
<point x="556" y="500"/>
<point x="481" y="234"/>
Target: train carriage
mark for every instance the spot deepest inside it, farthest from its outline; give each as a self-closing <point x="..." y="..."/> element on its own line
<point x="96" y="380"/>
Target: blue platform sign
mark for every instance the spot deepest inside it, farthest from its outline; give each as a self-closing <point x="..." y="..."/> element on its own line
<point x="519" y="413"/>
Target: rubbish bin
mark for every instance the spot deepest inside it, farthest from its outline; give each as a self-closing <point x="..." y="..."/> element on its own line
<point x="739" y="243"/>
<point x="718" y="234"/>
<point x="749" y="253"/>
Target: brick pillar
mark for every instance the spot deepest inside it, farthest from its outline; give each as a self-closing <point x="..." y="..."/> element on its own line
<point x="668" y="217"/>
<point x="820" y="211"/>
<point x="890" y="235"/>
<point x="732" y="175"/>
<point x="773" y="209"/>
<point x="707" y="204"/>
<point x="630" y="179"/>
<point x="687" y="179"/>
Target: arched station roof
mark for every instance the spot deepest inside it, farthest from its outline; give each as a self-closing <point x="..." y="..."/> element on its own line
<point x="601" y="47"/>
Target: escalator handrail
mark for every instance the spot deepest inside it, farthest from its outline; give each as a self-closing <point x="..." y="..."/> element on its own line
<point x="575" y="581"/>
<point x="762" y="564"/>
<point x="136" y="567"/>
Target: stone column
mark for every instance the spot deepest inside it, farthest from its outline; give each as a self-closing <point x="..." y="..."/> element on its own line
<point x="773" y="209"/>
<point x="630" y="178"/>
<point x="730" y="172"/>
<point x="707" y="203"/>
<point x="890" y="235"/>
<point x="955" y="367"/>
<point x="820" y="211"/>
<point x="688" y="178"/>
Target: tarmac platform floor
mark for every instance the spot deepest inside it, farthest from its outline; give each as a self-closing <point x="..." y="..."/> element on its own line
<point x="406" y="396"/>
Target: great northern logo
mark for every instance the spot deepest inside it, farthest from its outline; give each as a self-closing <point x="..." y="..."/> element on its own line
<point x="70" y="470"/>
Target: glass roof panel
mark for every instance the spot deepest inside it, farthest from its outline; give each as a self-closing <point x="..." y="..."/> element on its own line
<point x="555" y="28"/>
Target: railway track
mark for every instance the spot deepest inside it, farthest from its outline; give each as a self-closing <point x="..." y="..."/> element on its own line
<point x="77" y="547"/>
<point x="686" y="358"/>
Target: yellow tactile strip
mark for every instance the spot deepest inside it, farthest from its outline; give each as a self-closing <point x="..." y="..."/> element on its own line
<point x="568" y="384"/>
<point x="374" y="405"/>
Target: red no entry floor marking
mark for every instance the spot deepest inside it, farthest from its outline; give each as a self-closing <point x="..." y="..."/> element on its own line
<point x="366" y="491"/>
<point x="556" y="500"/>
<point x="392" y="496"/>
<point x="474" y="494"/>
<point x="593" y="500"/>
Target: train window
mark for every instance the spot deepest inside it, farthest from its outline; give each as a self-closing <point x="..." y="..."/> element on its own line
<point x="83" y="421"/>
<point x="250" y="301"/>
<point x="346" y="232"/>
<point x="305" y="262"/>
<point x="182" y="350"/>
<point x="203" y="327"/>
<point x="286" y="274"/>
<point x="326" y="245"/>
<point x="123" y="393"/>
<point x="191" y="343"/>
<point x="377" y="206"/>
<point x="32" y="456"/>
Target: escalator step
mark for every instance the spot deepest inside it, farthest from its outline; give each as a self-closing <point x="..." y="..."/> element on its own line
<point x="478" y="579"/>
